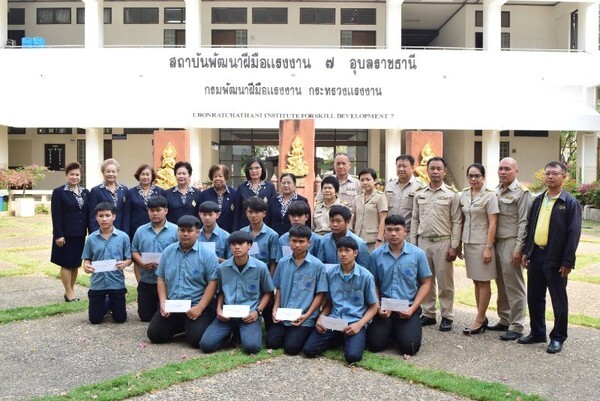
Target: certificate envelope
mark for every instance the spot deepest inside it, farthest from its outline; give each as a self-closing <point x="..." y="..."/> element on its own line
<point x="101" y="266"/>
<point x="332" y="323"/>
<point x="236" y="310"/>
<point x="289" y="314"/>
<point x="398" y="305"/>
<point x="286" y="250"/>
<point x="210" y="246"/>
<point x="178" y="305"/>
<point x="254" y="249"/>
<point x="150" y="257"/>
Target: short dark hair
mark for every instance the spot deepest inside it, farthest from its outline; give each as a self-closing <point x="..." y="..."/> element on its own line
<point x="188" y="221"/>
<point x="208" y="207"/>
<point x="292" y="176"/>
<point x="557" y="164"/>
<point x="157" y="201"/>
<point x="437" y="159"/>
<point x="184" y="164"/>
<point x="298" y="208"/>
<point x="408" y="158"/>
<point x="347" y="242"/>
<point x="300" y="230"/>
<point x="369" y="171"/>
<point x="395" y="220"/>
<point x="331" y="179"/>
<point x="105" y="206"/>
<point x="249" y="162"/>
<point x="216" y="167"/>
<point x="341" y="210"/>
<point x="72" y="166"/>
<point x="255" y="203"/>
<point x="142" y="168"/>
<point x="479" y="167"/>
<point x="240" y="237"/>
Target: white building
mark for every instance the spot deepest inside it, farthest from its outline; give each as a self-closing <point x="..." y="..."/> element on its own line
<point x="498" y="78"/>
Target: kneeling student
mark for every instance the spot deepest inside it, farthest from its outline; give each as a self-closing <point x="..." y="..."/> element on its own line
<point x="186" y="272"/>
<point x="107" y="288"/>
<point x="301" y="284"/>
<point x="401" y="273"/>
<point x="299" y="213"/>
<point x="351" y="298"/>
<point x="244" y="283"/>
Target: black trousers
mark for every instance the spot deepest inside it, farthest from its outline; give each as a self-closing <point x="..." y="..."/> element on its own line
<point x="290" y="338"/>
<point x="147" y="301"/>
<point x="163" y="329"/>
<point x="101" y="301"/>
<point x="406" y="333"/>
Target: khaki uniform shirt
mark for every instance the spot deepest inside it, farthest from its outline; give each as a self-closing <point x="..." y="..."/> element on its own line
<point x="476" y="211"/>
<point x="321" y="217"/>
<point x="514" y="203"/>
<point x="436" y="213"/>
<point x="366" y="215"/>
<point x="348" y="190"/>
<point x="401" y="198"/>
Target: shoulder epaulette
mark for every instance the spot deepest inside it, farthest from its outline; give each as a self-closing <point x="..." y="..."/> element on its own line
<point x="489" y="190"/>
<point x="524" y="187"/>
<point x="465" y="189"/>
<point x="452" y="188"/>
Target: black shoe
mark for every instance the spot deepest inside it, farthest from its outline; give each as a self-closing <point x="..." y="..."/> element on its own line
<point x="498" y="327"/>
<point x="554" y="347"/>
<point x="530" y="339"/>
<point x="427" y="321"/>
<point x="481" y="329"/>
<point x="511" y="336"/>
<point x="70" y="300"/>
<point x="446" y="324"/>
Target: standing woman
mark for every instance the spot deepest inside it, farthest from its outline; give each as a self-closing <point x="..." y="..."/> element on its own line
<point x="70" y="204"/>
<point x="480" y="214"/>
<point x="183" y="198"/>
<point x="330" y="186"/>
<point x="277" y="217"/>
<point x="255" y="185"/>
<point x="109" y="191"/>
<point x="369" y="210"/>
<point x="222" y="194"/>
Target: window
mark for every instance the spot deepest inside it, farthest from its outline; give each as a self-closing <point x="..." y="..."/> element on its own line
<point x="229" y="37"/>
<point x="538" y="134"/>
<point x="317" y="15"/>
<point x="53" y="16"/>
<point x="16" y="16"/>
<point x="504" y="149"/>
<point x="574" y="25"/>
<point x="80" y="18"/>
<point x="52" y="131"/>
<point x="358" y="16"/>
<point x="505" y="40"/>
<point x="221" y="15"/>
<point x="174" y="15"/>
<point x="137" y="131"/>
<point x="16" y="131"/>
<point x="140" y="15"/>
<point x="504" y="19"/>
<point x="269" y="16"/>
<point x="174" y="37"/>
<point x="357" y="38"/>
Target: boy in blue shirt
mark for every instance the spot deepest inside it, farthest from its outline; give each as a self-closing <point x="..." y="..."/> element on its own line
<point x="211" y="232"/>
<point x="187" y="271"/>
<point x="299" y="213"/>
<point x="401" y="272"/>
<point x="107" y="289"/>
<point x="339" y="220"/>
<point x="243" y="280"/>
<point x="351" y="298"/>
<point x="151" y="237"/>
<point x="301" y="284"/>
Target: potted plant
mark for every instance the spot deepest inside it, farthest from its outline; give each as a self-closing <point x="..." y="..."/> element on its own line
<point x="22" y="178"/>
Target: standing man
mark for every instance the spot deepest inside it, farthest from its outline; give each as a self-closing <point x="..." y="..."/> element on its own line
<point x="436" y="228"/>
<point x="349" y="186"/>
<point x="400" y="192"/>
<point x="514" y="202"/>
<point x="550" y="245"/>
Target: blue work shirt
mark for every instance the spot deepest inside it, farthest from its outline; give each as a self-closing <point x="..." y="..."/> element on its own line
<point x="350" y="299"/>
<point x="225" y="220"/>
<point x="330" y="248"/>
<point x="219" y="237"/>
<point x="146" y="239"/>
<point x="116" y="247"/>
<point x="399" y="278"/>
<point x="247" y="287"/>
<point x="298" y="285"/>
<point x="135" y="210"/>
<point x="268" y="244"/>
<point x="187" y="274"/>
<point x="315" y="248"/>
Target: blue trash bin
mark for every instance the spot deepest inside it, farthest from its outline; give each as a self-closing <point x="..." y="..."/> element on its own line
<point x="38" y="42"/>
<point x="26" y="42"/>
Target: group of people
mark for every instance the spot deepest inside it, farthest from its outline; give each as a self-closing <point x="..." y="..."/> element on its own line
<point x="213" y="264"/>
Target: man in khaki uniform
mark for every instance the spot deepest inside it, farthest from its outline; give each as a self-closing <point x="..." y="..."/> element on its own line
<point x="436" y="228"/>
<point x="514" y="201"/>
<point x="349" y="186"/>
<point x="400" y="192"/>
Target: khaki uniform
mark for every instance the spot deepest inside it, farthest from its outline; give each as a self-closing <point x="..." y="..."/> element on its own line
<point x="348" y="190"/>
<point x="514" y="203"/>
<point x="476" y="211"/>
<point x="435" y="227"/>
<point x="366" y="216"/>
<point x="401" y="198"/>
<point x="321" y="217"/>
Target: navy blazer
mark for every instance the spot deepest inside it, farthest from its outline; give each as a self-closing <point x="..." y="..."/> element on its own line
<point x="67" y="219"/>
<point x="281" y="224"/>
<point x="243" y="192"/>
<point x="176" y="206"/>
<point x="135" y="210"/>
<point x="225" y="220"/>
<point x="100" y="194"/>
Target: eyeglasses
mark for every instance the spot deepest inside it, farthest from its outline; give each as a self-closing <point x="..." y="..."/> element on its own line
<point x="474" y="176"/>
<point x="253" y="168"/>
<point x="552" y="173"/>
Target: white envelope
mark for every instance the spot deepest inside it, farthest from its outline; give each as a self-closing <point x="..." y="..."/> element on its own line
<point x="101" y="266"/>
<point x="397" y="305"/>
<point x="211" y="246"/>
<point x="254" y="249"/>
<point x="286" y="250"/>
<point x="178" y="305"/>
<point x="289" y="314"/>
<point x="236" y="311"/>
<point x="150" y="257"/>
<point x="332" y="323"/>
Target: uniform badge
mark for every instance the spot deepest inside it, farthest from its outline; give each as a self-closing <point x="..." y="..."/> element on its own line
<point x="194" y="203"/>
<point x="232" y="207"/>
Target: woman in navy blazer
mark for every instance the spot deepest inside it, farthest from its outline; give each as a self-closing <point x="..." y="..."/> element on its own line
<point x="222" y="194"/>
<point x="109" y="191"/>
<point x="183" y="198"/>
<point x="255" y="185"/>
<point x="277" y="217"/>
<point x="69" y="208"/>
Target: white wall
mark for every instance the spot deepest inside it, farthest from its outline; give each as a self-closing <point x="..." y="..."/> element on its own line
<point x="454" y="33"/>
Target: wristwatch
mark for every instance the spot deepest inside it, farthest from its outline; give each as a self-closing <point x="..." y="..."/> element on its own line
<point x="259" y="311"/>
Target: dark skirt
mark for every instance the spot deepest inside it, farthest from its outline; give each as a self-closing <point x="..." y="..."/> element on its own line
<point x="69" y="256"/>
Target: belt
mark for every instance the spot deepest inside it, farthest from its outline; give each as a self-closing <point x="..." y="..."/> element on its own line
<point x="505" y="239"/>
<point x="437" y="239"/>
<point x="542" y="248"/>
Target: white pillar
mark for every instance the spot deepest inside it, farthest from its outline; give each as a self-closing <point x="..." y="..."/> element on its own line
<point x="393" y="24"/>
<point x="374" y="151"/>
<point x="587" y="150"/>
<point x="492" y="24"/>
<point x="3" y="22"/>
<point x="193" y="32"/>
<point x="94" y="156"/>
<point x="588" y="27"/>
<point x="393" y="149"/>
<point x="94" y="23"/>
<point x="3" y="146"/>
<point x="196" y="154"/>
<point x="490" y="147"/>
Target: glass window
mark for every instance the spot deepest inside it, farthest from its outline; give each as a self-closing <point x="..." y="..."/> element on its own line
<point x="174" y="15"/>
<point x="140" y="15"/>
<point x="504" y="19"/>
<point x="80" y="18"/>
<point x="16" y="16"/>
<point x="504" y="149"/>
<point x="53" y="16"/>
<point x="358" y="16"/>
<point x="229" y="15"/>
<point x="317" y="15"/>
<point x="269" y="15"/>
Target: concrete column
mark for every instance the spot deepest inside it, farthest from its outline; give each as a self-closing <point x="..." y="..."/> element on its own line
<point x="196" y="154"/>
<point x="94" y="156"/>
<point x="393" y="149"/>
<point x="374" y="151"/>
<point x="393" y="25"/>
<point x="492" y="24"/>
<point x="587" y="151"/>
<point x="3" y="146"/>
<point x="94" y="23"/>
<point x="3" y="22"/>
<point x="588" y="27"/>
<point x="193" y="31"/>
<point x="491" y="157"/>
